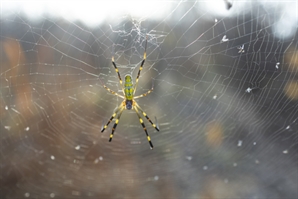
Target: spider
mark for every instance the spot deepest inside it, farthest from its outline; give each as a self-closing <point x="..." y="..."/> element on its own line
<point x="129" y="102"/>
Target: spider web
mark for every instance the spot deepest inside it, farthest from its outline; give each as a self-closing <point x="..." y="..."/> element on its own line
<point x="225" y="97"/>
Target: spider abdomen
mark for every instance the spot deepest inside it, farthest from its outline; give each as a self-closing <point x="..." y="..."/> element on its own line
<point x="128" y="88"/>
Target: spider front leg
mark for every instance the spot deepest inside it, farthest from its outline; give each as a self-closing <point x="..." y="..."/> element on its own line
<point x="141" y="67"/>
<point x="117" y="71"/>
<point x="145" y="94"/>
<point x="113" y="92"/>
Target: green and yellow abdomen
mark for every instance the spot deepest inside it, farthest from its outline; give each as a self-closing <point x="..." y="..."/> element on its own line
<point x="128" y="87"/>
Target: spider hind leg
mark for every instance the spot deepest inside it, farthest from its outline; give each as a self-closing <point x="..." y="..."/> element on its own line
<point x="147" y="117"/>
<point x="115" y="125"/>
<point x="144" y="127"/>
<point x="112" y="117"/>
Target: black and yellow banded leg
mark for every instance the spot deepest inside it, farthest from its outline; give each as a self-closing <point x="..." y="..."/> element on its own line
<point x="112" y="117"/>
<point x="141" y="67"/>
<point x="113" y="92"/>
<point x="144" y="127"/>
<point x="115" y="125"/>
<point x="117" y="71"/>
<point x="146" y="116"/>
<point x="144" y="95"/>
<point x="147" y="93"/>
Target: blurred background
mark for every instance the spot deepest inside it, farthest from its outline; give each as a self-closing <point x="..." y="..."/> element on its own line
<point x="225" y="96"/>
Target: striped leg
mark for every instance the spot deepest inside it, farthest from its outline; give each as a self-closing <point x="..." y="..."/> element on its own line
<point x="115" y="125"/>
<point x="145" y="115"/>
<point x="117" y="71"/>
<point x="141" y="67"/>
<point x="145" y="94"/>
<point x="143" y="125"/>
<point x="113" y="92"/>
<point x="114" y="115"/>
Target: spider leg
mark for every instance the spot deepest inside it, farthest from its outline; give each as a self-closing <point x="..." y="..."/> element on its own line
<point x="116" y="123"/>
<point x="141" y="67"/>
<point x="143" y="125"/>
<point x="117" y="71"/>
<point x="113" y="92"/>
<point x="146" y="116"/>
<point x="112" y="117"/>
<point x="145" y="94"/>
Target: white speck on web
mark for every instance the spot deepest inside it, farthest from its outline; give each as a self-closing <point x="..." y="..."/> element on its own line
<point x="6" y="107"/>
<point x="27" y="195"/>
<point x="78" y="147"/>
<point x="285" y="151"/>
<point x="288" y="127"/>
<point x="100" y="158"/>
<point x="52" y="157"/>
<point x="235" y="164"/>
<point x="239" y="143"/>
<point x="15" y="111"/>
<point x="241" y="49"/>
<point x="72" y="98"/>
<point x="248" y="90"/>
<point x="75" y="193"/>
<point x="189" y="158"/>
<point x="277" y="65"/>
<point x="52" y="195"/>
<point x="7" y="127"/>
<point x="156" y="178"/>
<point x="205" y="167"/>
<point x="224" y="39"/>
<point x="27" y="128"/>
